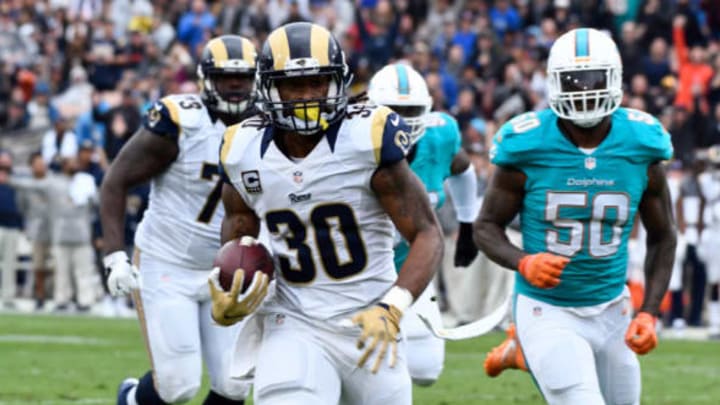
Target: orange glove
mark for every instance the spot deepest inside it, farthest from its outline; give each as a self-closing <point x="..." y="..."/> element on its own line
<point x="542" y="269"/>
<point x="640" y="336"/>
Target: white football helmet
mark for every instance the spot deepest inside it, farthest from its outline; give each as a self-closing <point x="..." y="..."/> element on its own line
<point x="584" y="77"/>
<point x="403" y="89"/>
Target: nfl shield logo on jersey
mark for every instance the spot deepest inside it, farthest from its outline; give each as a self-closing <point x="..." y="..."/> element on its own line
<point x="298" y="177"/>
<point x="590" y="163"/>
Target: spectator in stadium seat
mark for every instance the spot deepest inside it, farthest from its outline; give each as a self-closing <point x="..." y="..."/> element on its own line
<point x="630" y="50"/>
<point x="59" y="141"/>
<point x="655" y="22"/>
<point x="503" y="17"/>
<point x="378" y="44"/>
<point x="639" y="88"/>
<point x="103" y="58"/>
<point x="465" y="36"/>
<point x="694" y="74"/>
<point x="120" y="123"/>
<point x="11" y="223"/>
<point x="86" y="128"/>
<point x="195" y="25"/>
<point x="41" y="111"/>
<point x="655" y="65"/>
<point x="685" y="131"/>
<point x="76" y="99"/>
<point x="230" y="16"/>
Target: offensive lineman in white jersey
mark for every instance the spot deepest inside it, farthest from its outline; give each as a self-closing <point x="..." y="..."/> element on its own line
<point x="176" y="148"/>
<point x="329" y="181"/>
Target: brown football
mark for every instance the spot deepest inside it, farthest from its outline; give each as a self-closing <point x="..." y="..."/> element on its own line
<point x="244" y="254"/>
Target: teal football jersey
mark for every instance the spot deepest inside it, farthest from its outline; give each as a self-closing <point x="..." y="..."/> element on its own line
<point x="433" y="157"/>
<point x="577" y="204"/>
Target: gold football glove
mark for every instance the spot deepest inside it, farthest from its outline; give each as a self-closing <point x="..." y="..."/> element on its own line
<point x="232" y="307"/>
<point x="381" y="324"/>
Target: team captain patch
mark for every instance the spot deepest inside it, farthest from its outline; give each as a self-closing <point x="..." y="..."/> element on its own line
<point x="251" y="181"/>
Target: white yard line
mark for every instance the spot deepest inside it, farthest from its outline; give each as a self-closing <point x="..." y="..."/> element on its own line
<point x="52" y="339"/>
<point x="80" y="401"/>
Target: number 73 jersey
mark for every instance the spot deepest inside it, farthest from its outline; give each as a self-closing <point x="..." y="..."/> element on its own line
<point x="182" y="223"/>
<point x="581" y="204"/>
<point x="331" y="238"/>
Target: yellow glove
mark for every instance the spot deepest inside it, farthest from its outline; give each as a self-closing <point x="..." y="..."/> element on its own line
<point x="232" y="307"/>
<point x="381" y="323"/>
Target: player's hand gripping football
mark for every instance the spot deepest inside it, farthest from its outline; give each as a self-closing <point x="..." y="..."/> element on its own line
<point x="542" y="270"/>
<point x="122" y="276"/>
<point x="380" y="326"/>
<point x="640" y="336"/>
<point x="465" y="249"/>
<point x="232" y="307"/>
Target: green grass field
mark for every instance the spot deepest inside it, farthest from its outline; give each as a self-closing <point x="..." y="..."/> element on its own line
<point x="70" y="360"/>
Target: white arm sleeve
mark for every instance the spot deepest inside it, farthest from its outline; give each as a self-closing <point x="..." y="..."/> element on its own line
<point x="463" y="190"/>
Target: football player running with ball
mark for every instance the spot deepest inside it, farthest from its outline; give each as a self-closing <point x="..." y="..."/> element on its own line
<point x="577" y="174"/>
<point x="176" y="148"/>
<point x="435" y="155"/>
<point x="328" y="180"/>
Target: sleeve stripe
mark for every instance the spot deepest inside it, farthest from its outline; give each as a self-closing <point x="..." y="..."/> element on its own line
<point x="174" y="112"/>
<point x="377" y="129"/>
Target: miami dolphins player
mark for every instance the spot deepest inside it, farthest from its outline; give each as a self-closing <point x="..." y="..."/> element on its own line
<point x="435" y="156"/>
<point x="577" y="174"/>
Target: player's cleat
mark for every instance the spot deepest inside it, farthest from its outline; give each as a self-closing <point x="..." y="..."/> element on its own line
<point x="125" y="386"/>
<point x="506" y="355"/>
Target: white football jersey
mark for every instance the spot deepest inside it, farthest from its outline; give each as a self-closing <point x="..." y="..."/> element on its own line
<point x="331" y="238"/>
<point x="182" y="223"/>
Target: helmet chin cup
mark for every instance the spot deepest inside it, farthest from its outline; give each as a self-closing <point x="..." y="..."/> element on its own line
<point x="587" y="123"/>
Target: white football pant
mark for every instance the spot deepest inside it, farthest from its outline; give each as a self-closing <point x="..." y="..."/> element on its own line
<point x="425" y="352"/>
<point x="578" y="355"/>
<point x="312" y="362"/>
<point x="174" y="310"/>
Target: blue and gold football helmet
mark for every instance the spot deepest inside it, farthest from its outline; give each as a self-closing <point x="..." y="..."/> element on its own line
<point x="227" y="55"/>
<point x="302" y="50"/>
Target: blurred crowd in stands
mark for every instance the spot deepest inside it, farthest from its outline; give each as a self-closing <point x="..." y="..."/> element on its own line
<point x="76" y="76"/>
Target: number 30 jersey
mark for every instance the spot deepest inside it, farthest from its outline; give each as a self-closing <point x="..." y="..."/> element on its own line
<point x="182" y="223"/>
<point x="581" y="203"/>
<point x="331" y="239"/>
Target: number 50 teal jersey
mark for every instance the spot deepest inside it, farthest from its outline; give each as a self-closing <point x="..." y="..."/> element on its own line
<point x="581" y="204"/>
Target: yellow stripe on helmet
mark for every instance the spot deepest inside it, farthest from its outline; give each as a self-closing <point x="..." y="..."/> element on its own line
<point x="248" y="50"/>
<point x="319" y="43"/>
<point x="218" y="50"/>
<point x="279" y="48"/>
